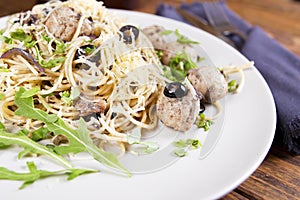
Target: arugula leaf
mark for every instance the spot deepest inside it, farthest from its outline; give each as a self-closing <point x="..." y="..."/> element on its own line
<point x="29" y="93"/>
<point x="2" y="128"/>
<point x="34" y="174"/>
<point x="134" y="138"/>
<point x="20" y="35"/>
<point x="183" y="39"/>
<point x="29" y="146"/>
<point x="78" y="139"/>
<point x="180" y="38"/>
<point x="40" y="134"/>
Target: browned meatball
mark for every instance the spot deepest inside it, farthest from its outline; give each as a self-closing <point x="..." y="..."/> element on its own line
<point x="171" y="49"/>
<point x="209" y="82"/>
<point x="87" y="107"/>
<point x="178" y="113"/>
<point x="63" y="23"/>
<point x="154" y="34"/>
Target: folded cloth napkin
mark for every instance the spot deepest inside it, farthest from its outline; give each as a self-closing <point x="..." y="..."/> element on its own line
<point x="279" y="67"/>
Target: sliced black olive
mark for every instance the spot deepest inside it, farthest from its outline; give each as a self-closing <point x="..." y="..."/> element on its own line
<point x="84" y="50"/>
<point x="127" y="33"/>
<point x="175" y="90"/>
<point x="202" y="108"/>
<point x="113" y="115"/>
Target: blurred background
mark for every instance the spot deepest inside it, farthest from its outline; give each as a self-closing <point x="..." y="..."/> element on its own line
<point x="281" y="22"/>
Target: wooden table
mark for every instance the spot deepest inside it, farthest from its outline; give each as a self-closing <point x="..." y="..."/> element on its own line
<point x="278" y="177"/>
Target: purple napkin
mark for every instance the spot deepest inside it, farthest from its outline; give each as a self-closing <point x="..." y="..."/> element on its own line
<point x="279" y="67"/>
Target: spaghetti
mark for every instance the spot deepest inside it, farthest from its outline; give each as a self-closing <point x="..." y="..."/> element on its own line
<point x="101" y="84"/>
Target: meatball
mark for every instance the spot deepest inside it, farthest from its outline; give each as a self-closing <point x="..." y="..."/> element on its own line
<point x="154" y="34"/>
<point x="87" y="107"/>
<point x="63" y="23"/>
<point x="208" y="82"/>
<point x="173" y="48"/>
<point x="178" y="113"/>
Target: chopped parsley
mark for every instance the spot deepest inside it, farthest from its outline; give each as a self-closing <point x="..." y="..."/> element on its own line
<point x="52" y="62"/>
<point x="3" y="69"/>
<point x="180" y="38"/>
<point x="182" y="146"/>
<point x="46" y="38"/>
<point x="2" y="96"/>
<point x="60" y="47"/>
<point x="65" y="97"/>
<point x="20" y="35"/>
<point x="68" y="97"/>
<point x="178" y="67"/>
<point x="202" y="122"/>
<point x="232" y="86"/>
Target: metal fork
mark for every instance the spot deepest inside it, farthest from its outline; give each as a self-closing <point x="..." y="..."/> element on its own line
<point x="219" y="20"/>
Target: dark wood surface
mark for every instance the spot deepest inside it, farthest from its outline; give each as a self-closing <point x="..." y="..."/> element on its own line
<point x="278" y="177"/>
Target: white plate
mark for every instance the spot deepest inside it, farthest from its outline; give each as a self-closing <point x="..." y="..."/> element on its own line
<point x="248" y="131"/>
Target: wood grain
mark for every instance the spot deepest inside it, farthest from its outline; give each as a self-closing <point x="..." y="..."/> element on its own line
<point x="278" y="177"/>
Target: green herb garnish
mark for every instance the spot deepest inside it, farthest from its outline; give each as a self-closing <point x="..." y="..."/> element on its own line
<point x="40" y="134"/>
<point x="79" y="139"/>
<point x="60" y="47"/>
<point x="90" y="49"/>
<point x="232" y="86"/>
<point x="134" y="138"/>
<point x="182" y="146"/>
<point x="178" y="67"/>
<point x="2" y="69"/>
<point x="202" y="122"/>
<point x="46" y="38"/>
<point x="68" y="98"/>
<point x="5" y="39"/>
<point x="52" y="62"/>
<point x="29" y="145"/>
<point x="180" y="38"/>
<point x="65" y="97"/>
<point x="20" y="35"/>
<point x="34" y="174"/>
<point x="29" y="93"/>
<point x="2" y="96"/>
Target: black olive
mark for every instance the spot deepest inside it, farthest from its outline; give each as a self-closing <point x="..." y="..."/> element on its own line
<point x="113" y="115"/>
<point x="175" y="90"/>
<point x="127" y="32"/>
<point x="82" y="51"/>
<point x="202" y="108"/>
